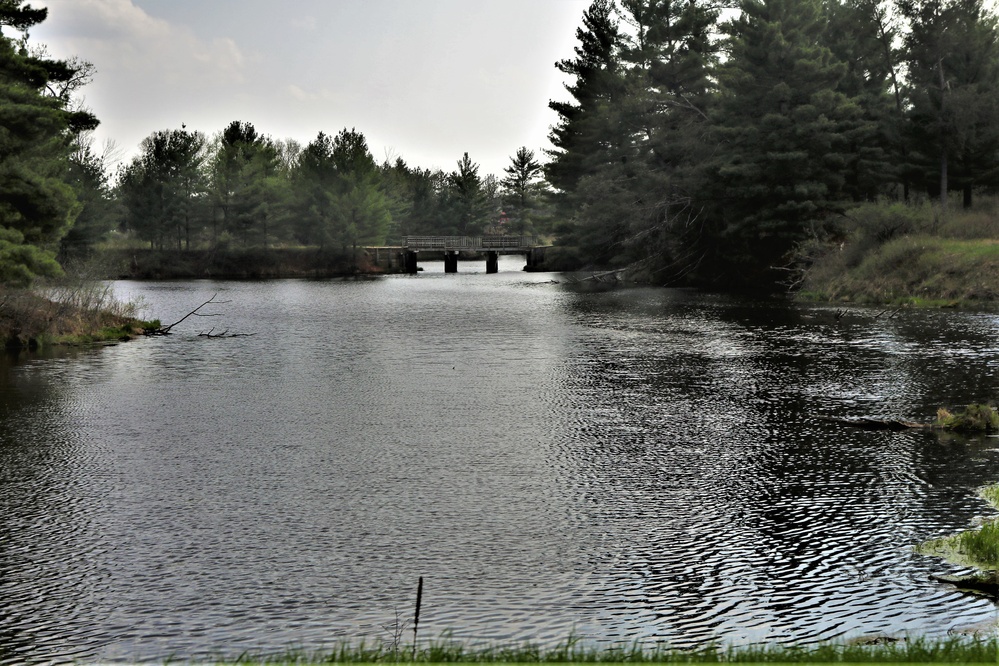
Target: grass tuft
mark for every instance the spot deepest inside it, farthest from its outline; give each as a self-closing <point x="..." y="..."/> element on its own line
<point x="973" y="418"/>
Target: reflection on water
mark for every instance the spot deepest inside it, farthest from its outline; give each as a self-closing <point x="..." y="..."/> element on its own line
<point x="629" y="464"/>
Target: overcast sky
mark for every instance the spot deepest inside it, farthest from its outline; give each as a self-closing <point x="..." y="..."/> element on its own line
<point x="425" y="80"/>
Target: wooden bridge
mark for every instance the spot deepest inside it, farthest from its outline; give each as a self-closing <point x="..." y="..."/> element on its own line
<point x="508" y="244"/>
<point x="450" y="246"/>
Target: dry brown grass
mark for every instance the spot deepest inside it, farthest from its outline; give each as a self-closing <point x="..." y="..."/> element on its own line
<point x="64" y="313"/>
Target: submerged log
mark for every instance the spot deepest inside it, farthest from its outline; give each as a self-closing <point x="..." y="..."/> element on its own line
<point x="867" y="423"/>
<point x="973" y="418"/>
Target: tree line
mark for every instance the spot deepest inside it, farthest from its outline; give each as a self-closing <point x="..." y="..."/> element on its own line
<point x="712" y="141"/>
<point x="699" y="142"/>
<point x="184" y="190"/>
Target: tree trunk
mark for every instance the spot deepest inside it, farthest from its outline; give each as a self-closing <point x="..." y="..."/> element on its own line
<point x="943" y="137"/>
<point x="943" y="179"/>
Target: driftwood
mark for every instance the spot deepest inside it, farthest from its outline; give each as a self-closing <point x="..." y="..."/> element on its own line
<point x="224" y="334"/>
<point x="978" y="584"/>
<point x="165" y="330"/>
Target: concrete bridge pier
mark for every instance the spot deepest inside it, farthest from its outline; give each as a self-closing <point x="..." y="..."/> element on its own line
<point x="450" y="262"/>
<point x="410" y="262"/>
<point x="535" y="258"/>
<point x="492" y="261"/>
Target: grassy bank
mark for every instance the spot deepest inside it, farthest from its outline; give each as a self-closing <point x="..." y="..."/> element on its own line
<point x="67" y="313"/>
<point x="900" y="254"/>
<point x="950" y="651"/>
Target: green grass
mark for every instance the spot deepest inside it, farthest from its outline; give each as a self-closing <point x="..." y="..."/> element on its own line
<point x="972" y="548"/>
<point x="981" y="248"/>
<point x="909" y="255"/>
<point x="973" y="418"/>
<point x="991" y="495"/>
<point x="953" y="650"/>
<point x="982" y="545"/>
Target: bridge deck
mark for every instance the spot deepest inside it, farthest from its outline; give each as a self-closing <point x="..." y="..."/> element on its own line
<point x="475" y="243"/>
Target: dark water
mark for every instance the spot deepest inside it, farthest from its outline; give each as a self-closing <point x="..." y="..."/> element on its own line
<point x="636" y="464"/>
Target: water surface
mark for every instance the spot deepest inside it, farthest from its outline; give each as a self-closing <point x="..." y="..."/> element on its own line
<point x="629" y="464"/>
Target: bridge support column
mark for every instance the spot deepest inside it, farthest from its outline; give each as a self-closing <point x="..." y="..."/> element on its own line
<point x="535" y="259"/>
<point x="492" y="262"/>
<point x="450" y="262"/>
<point x="409" y="260"/>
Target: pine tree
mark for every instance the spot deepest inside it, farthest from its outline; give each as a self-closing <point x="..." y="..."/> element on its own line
<point x="37" y="205"/>
<point x="245" y="187"/>
<point x="952" y="54"/>
<point x="313" y="199"/>
<point x="88" y="174"/>
<point x="163" y="188"/>
<point x="860" y="35"/>
<point x="670" y="90"/>
<point x="362" y="209"/>
<point x="523" y="191"/>
<point x="783" y="126"/>
<point x="465" y="200"/>
<point x="584" y="136"/>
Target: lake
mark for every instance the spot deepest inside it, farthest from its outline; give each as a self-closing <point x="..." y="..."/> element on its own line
<point x="555" y="457"/>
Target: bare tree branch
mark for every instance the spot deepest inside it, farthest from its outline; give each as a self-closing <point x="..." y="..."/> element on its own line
<point x="165" y="330"/>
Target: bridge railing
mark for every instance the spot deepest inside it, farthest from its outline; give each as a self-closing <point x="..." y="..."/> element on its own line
<point x="468" y="242"/>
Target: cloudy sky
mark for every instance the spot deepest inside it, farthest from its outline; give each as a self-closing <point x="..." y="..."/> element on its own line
<point x="425" y="80"/>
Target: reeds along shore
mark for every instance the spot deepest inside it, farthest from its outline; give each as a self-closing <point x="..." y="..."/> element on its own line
<point x="877" y="649"/>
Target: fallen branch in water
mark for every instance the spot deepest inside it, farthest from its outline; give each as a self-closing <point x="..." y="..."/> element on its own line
<point x="165" y="330"/>
<point x="980" y="584"/>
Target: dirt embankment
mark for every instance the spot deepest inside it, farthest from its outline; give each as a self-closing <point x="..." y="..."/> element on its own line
<point x="253" y="263"/>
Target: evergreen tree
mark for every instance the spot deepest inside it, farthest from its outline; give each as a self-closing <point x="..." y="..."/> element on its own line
<point x="783" y="125"/>
<point x="952" y="54"/>
<point x="523" y="191"/>
<point x="163" y="188"/>
<point x="466" y="201"/>
<point x="313" y="184"/>
<point x="417" y="196"/>
<point x="363" y="210"/>
<point x="245" y="186"/>
<point x="583" y="137"/>
<point x="670" y="91"/>
<point x="99" y="213"/>
<point x="37" y="205"/>
<point x="860" y="35"/>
